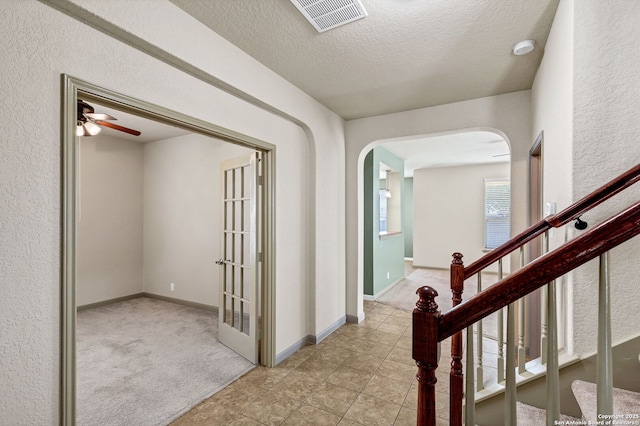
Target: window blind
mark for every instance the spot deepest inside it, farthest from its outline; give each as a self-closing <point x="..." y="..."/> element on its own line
<point x="497" y="212"/>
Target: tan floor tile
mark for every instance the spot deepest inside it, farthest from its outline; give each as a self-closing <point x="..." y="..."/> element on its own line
<point x="308" y="415"/>
<point x="405" y="342"/>
<point x="316" y="368"/>
<point x="401" y="355"/>
<point x="295" y="360"/>
<point x="372" y="411"/>
<point x="334" y="355"/>
<point x="401" y="313"/>
<point x="369" y="324"/>
<point x="371" y="348"/>
<point x="379" y="336"/>
<point x="364" y="362"/>
<point x="264" y="377"/>
<point x="353" y="330"/>
<point x="271" y="408"/>
<point x="411" y="401"/>
<point x="380" y="309"/>
<point x="331" y="398"/>
<point x="212" y="416"/>
<point x="345" y="341"/>
<point x="387" y="389"/>
<point x="398" y="320"/>
<point x="397" y="371"/>
<point x="349" y="378"/>
<point x="406" y="417"/>
<point x="235" y="397"/>
<point x="297" y="385"/>
<point x="347" y="422"/>
<point x="376" y="316"/>
<point x="392" y="328"/>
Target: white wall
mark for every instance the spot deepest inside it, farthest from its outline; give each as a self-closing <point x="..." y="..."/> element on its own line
<point x="109" y="244"/>
<point x="232" y="90"/>
<point x="449" y="212"/>
<point x="606" y="135"/>
<point x="182" y="216"/>
<point x="586" y="98"/>
<point x="507" y="115"/>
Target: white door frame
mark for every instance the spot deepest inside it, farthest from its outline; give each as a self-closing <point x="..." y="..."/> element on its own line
<point x="71" y="89"/>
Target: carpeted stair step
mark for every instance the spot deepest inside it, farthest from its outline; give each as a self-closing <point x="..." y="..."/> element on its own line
<point x="532" y="416"/>
<point x="624" y="401"/>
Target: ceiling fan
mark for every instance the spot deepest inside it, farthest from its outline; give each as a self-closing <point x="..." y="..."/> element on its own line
<point x="89" y="121"/>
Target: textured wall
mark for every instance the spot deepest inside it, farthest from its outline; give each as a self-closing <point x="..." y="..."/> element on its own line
<point x="182" y="206"/>
<point x="38" y="44"/>
<point x="109" y="250"/>
<point x="606" y="131"/>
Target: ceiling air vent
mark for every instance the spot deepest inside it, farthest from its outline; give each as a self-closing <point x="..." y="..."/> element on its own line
<point x="325" y="15"/>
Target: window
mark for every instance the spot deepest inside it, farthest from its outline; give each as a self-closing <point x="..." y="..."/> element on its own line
<point x="390" y="201"/>
<point x="497" y="212"/>
<point x="383" y="211"/>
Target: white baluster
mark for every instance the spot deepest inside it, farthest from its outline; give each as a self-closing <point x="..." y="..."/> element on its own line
<point x="469" y="393"/>
<point x="500" y="331"/>
<point x="544" y="308"/>
<point x="604" y="372"/>
<point x="553" y="374"/>
<point x="521" y="326"/>
<point x="510" y="417"/>
<point x="480" y="368"/>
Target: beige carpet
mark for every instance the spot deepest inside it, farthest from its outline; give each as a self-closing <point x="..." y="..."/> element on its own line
<point x="146" y="362"/>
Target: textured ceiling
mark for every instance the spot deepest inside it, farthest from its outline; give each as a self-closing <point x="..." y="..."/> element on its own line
<point x="405" y="54"/>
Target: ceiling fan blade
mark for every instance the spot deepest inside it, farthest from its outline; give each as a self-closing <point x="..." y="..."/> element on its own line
<point x="99" y="116"/>
<point x="116" y="127"/>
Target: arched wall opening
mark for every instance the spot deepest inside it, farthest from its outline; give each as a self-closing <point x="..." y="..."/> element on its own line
<point x="442" y="194"/>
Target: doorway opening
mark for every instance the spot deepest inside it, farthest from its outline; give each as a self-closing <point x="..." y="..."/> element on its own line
<point x="439" y="188"/>
<point x="73" y="203"/>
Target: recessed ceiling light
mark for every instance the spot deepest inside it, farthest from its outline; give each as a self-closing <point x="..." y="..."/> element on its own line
<point x="523" y="47"/>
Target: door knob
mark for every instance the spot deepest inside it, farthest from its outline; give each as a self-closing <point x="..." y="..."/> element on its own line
<point x="219" y="262"/>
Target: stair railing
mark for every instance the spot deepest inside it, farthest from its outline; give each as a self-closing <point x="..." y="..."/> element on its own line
<point x="431" y="327"/>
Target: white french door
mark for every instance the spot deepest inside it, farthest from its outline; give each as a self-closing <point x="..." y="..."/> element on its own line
<point x="239" y="289"/>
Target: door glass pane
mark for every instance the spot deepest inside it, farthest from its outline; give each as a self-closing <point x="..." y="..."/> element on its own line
<point x="237" y="281"/>
<point x="246" y="284"/>
<point x="246" y="215"/>
<point x="228" y="246"/>
<point x="237" y="216"/>
<point x="246" y="324"/>
<point x="247" y="184"/>
<point x="237" y="249"/>
<point x="227" y="310"/>
<point x="237" y="306"/>
<point x="228" y="193"/>
<point x="228" y="279"/>
<point x="228" y="217"/>
<point x="237" y="183"/>
<point x="246" y="250"/>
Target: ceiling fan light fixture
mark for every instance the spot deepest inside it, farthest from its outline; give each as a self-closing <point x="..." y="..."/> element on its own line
<point x="92" y="128"/>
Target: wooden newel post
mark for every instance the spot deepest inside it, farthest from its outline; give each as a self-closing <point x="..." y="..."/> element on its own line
<point x="456" y="378"/>
<point x="425" y="353"/>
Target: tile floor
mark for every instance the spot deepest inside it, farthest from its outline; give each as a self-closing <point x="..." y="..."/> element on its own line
<point x="362" y="374"/>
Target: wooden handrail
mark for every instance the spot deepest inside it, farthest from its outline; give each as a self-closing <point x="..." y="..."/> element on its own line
<point x="600" y="239"/>
<point x="598" y="196"/>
